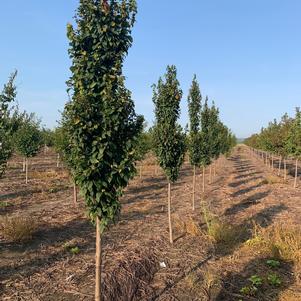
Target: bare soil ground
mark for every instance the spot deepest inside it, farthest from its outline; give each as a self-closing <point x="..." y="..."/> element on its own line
<point x="135" y="248"/>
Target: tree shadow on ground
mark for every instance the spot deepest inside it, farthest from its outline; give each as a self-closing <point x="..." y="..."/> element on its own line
<point x="49" y="236"/>
<point x="152" y="197"/>
<point x="77" y="229"/>
<point x="242" y="182"/>
<point x="10" y="207"/>
<point x="246" y="190"/>
<point x="248" y="175"/>
<point x="233" y="282"/>
<point x="136" y="215"/>
<point x="245" y="170"/>
<point x="246" y="203"/>
<point x="155" y="185"/>
<point x="22" y="193"/>
<point x="240" y="233"/>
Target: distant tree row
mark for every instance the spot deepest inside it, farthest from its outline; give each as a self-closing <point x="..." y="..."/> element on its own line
<point x="281" y="138"/>
<point x="19" y="131"/>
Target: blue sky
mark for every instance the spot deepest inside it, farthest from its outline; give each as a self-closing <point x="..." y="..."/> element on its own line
<point x="246" y="54"/>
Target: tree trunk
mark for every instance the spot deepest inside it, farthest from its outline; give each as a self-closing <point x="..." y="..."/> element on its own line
<point x="98" y="262"/>
<point x="24" y="164"/>
<point x="58" y="160"/>
<point x="280" y="159"/>
<point x="266" y="159"/>
<point x="74" y="194"/>
<point x="272" y="162"/>
<point x="203" y="178"/>
<point x="26" y="170"/>
<point x="169" y="213"/>
<point x="284" y="162"/>
<point x="193" y="188"/>
<point x="296" y="174"/>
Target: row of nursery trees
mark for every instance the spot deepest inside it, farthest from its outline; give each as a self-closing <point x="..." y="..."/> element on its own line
<point x="100" y="136"/>
<point x="207" y="139"/>
<point x="282" y="139"/>
<point x="20" y="132"/>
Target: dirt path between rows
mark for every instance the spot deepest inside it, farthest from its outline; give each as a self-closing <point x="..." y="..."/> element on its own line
<point x="134" y="248"/>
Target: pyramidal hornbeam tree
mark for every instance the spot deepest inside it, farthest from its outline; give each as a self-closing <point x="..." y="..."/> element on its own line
<point x="7" y="96"/>
<point x="293" y="143"/>
<point x="194" y="110"/>
<point x="169" y="139"/>
<point x="102" y="125"/>
<point x="213" y="135"/>
<point x="28" y="140"/>
<point x="205" y="138"/>
<point x="62" y="147"/>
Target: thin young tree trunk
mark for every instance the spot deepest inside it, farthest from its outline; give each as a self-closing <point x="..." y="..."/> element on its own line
<point x="203" y="178"/>
<point x="284" y="161"/>
<point x="296" y="174"/>
<point x="266" y="159"/>
<point x="169" y="213"/>
<point x="24" y="164"/>
<point x="272" y="162"/>
<point x="74" y="194"/>
<point x="280" y="159"/>
<point x="98" y="262"/>
<point x="26" y="170"/>
<point x="193" y="188"/>
<point x="58" y="160"/>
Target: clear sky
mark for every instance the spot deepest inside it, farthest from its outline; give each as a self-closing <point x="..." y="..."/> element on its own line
<point x="246" y="54"/>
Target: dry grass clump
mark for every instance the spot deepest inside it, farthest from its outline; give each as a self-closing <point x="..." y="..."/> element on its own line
<point x="281" y="241"/>
<point x="271" y="179"/>
<point x="179" y="224"/>
<point x="192" y="228"/>
<point x="212" y="285"/>
<point x="220" y="231"/>
<point x="49" y="174"/>
<point x="18" y="228"/>
<point x="187" y="226"/>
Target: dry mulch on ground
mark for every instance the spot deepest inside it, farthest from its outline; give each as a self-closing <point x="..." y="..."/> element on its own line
<point x="196" y="267"/>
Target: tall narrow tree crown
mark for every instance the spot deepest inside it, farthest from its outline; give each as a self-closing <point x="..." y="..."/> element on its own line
<point x="169" y="138"/>
<point x="101" y="120"/>
<point x="194" y="110"/>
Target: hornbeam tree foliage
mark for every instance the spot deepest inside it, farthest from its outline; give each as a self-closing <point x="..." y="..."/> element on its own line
<point x="277" y="138"/>
<point x="205" y="138"/>
<point x="28" y="140"/>
<point x="194" y="145"/>
<point x="169" y="138"/>
<point x="7" y="97"/>
<point x="102" y="122"/>
<point x="293" y="142"/>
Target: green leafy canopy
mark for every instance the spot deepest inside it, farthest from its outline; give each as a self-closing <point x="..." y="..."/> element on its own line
<point x="101" y="123"/>
<point x="194" y="110"/>
<point x="7" y="96"/>
<point x="169" y="138"/>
